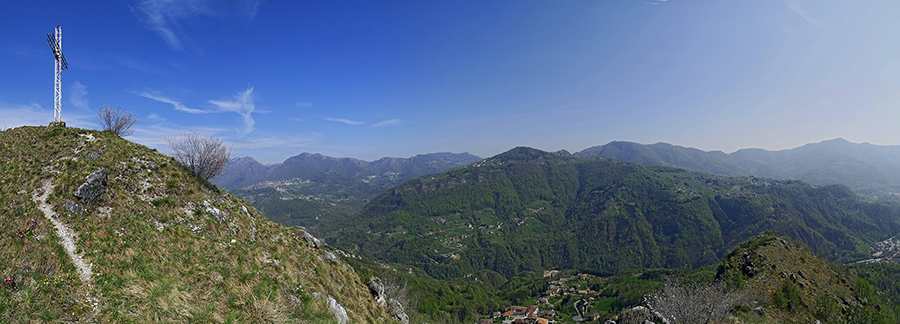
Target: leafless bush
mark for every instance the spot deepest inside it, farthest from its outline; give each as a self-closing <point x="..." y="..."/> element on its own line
<point x="117" y="121"/>
<point x="205" y="157"/>
<point x="395" y="287"/>
<point x="694" y="303"/>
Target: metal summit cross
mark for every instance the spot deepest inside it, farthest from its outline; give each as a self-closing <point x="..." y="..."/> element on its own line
<point x="60" y="64"/>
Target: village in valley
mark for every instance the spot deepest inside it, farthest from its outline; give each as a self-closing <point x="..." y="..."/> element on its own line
<point x="574" y="288"/>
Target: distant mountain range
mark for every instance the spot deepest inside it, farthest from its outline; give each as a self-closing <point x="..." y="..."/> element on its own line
<point x="527" y="210"/>
<point x="872" y="170"/>
<point x="304" y="187"/>
<point x="311" y="189"/>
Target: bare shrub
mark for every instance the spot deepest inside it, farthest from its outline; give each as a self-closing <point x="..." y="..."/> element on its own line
<point x="694" y="303"/>
<point x="396" y="287"/>
<point x="205" y="157"/>
<point x="117" y="121"/>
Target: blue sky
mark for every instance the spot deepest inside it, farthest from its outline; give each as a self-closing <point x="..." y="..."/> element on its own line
<point x="370" y="79"/>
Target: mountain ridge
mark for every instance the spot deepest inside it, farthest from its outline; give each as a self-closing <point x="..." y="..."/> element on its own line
<point x="868" y="169"/>
<point x="527" y="210"/>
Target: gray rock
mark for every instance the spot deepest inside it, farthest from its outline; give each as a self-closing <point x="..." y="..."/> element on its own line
<point x="331" y="258"/>
<point x="94" y="185"/>
<point x="72" y="208"/>
<point x="152" y="165"/>
<point x="397" y="311"/>
<point x="759" y="310"/>
<point x="376" y="287"/>
<point x="312" y="240"/>
<point x="338" y="311"/>
<point x="93" y="156"/>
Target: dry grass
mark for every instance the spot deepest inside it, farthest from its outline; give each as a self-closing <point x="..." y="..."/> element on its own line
<point x="159" y="253"/>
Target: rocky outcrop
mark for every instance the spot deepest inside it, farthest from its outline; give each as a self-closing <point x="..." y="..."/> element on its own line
<point x="338" y="311"/>
<point x="377" y="290"/>
<point x="312" y="240"/>
<point x="72" y="208"/>
<point x="397" y="311"/>
<point x="330" y="257"/>
<point x="393" y="306"/>
<point x="94" y="185"/>
<point x="93" y="156"/>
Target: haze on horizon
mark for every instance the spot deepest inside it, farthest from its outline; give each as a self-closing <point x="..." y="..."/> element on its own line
<point x="368" y="80"/>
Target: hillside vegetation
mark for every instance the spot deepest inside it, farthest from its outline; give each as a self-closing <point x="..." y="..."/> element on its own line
<point x="527" y="210"/>
<point x="158" y="245"/>
<point x="317" y="191"/>
<point x="871" y="170"/>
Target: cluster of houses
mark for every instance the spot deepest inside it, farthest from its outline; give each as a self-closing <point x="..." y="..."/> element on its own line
<point x="521" y="315"/>
<point x="559" y="287"/>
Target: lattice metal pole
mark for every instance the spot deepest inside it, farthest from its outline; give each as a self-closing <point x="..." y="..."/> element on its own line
<point x="57" y="93"/>
<point x="59" y="64"/>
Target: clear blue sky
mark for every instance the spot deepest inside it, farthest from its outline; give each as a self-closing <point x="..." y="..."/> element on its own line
<point x="397" y="78"/>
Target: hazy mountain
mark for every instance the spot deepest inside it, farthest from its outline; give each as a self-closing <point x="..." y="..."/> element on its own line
<point x="527" y="210"/>
<point x="313" y="189"/>
<point x="100" y="229"/>
<point x="867" y="169"/>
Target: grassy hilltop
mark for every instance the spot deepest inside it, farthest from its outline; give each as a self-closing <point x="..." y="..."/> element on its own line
<point x="159" y="245"/>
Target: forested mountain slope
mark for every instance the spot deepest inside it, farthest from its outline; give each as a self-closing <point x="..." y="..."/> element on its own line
<point x="527" y="210"/>
<point x="867" y="169"/>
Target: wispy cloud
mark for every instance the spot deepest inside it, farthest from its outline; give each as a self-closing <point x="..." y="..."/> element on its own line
<point x="155" y="117"/>
<point x="388" y="122"/>
<point x="178" y="105"/>
<point x="795" y="7"/>
<point x="165" y="16"/>
<point x="242" y="105"/>
<point x="342" y="120"/>
<point x="78" y="96"/>
<point x="303" y="105"/>
<point x="656" y="2"/>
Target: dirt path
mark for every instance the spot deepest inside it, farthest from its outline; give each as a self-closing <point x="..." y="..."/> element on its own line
<point x="67" y="236"/>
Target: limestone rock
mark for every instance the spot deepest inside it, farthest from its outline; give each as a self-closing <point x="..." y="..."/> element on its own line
<point x="92" y="156"/>
<point x="376" y="287"/>
<point x="72" y="208"/>
<point x="94" y="185"/>
<point x="338" y="311"/>
<point x="397" y="311"/>
<point x="312" y="240"/>
<point x="331" y="258"/>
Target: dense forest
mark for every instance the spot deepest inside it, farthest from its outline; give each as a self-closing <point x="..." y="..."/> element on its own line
<point x="527" y="210"/>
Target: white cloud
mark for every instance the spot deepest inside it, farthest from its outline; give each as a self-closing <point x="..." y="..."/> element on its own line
<point x="303" y="105"/>
<point x="388" y="122"/>
<point x="15" y="115"/>
<point x="155" y="117"/>
<point x="165" y="16"/>
<point x="342" y="120"/>
<point x="242" y="105"/>
<point x="178" y="105"/>
<point x="78" y="96"/>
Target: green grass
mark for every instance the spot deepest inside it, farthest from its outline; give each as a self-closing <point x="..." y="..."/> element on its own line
<point x="154" y="259"/>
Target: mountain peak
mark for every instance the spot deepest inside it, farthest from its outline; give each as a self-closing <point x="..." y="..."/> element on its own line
<point x="525" y="154"/>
